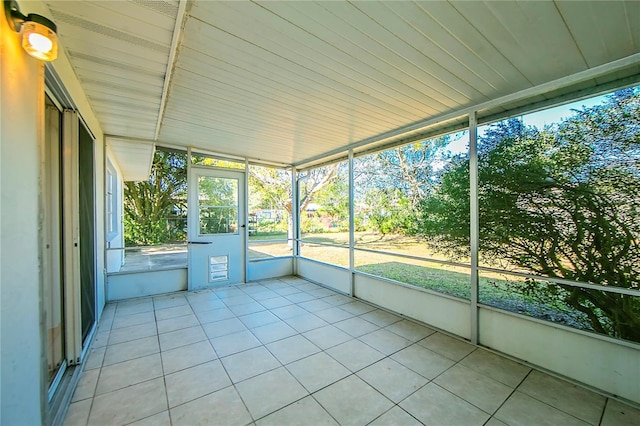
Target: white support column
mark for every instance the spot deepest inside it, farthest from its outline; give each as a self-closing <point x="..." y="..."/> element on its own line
<point x="351" y="225"/>
<point x="246" y="220"/>
<point x="474" y="220"/>
<point x="295" y="219"/>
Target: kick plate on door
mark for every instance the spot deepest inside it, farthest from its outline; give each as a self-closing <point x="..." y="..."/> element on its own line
<point x="218" y="268"/>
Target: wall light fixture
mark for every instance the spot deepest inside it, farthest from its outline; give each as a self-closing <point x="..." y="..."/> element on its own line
<point x="39" y="37"/>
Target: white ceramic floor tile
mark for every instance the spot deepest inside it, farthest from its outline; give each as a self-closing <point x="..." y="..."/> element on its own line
<point x="334" y="314"/>
<point x="134" y="307"/>
<point x="175" y="311"/>
<point x="249" y="363"/>
<point x="127" y="373"/>
<point x="357" y="308"/>
<point x="237" y="300"/>
<point x="160" y="419"/>
<point x="292" y="349"/>
<point x="385" y="341"/>
<point x="187" y="356"/>
<point x="129" y="404"/>
<point x="522" y="410"/>
<point x="214" y="315"/>
<point x="204" y="305"/>
<point x="130" y="350"/>
<point x="195" y="382"/>
<point x="317" y="371"/>
<point x="381" y="318"/>
<point x="351" y="401"/>
<point x="223" y="328"/>
<point x="187" y="336"/>
<point x="423" y="361"/>
<point x="396" y="417"/>
<point x="327" y="336"/>
<point x="258" y="319"/>
<point x="434" y="405"/>
<point x="275" y="302"/>
<point x="498" y="368"/>
<point x="177" y="323"/>
<point x="448" y="346"/>
<point x="392" y="379"/>
<point x="78" y="413"/>
<point x="86" y="386"/>
<point x="410" y="330"/>
<point x="247" y="308"/>
<point x="273" y="332"/>
<point x="355" y="355"/>
<point x="131" y="320"/>
<point x="306" y="322"/>
<point x="95" y="358"/>
<point x="571" y="399"/>
<point x="306" y="411"/>
<point x="314" y="305"/>
<point x="169" y="301"/>
<point x="356" y="326"/>
<point x="270" y="392"/>
<point x="128" y="334"/>
<point x="618" y="414"/>
<point x="224" y="407"/>
<point x="288" y="311"/>
<point x="478" y="389"/>
<point x="234" y="343"/>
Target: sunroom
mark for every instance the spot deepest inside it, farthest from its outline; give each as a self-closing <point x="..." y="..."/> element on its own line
<point x="321" y="212"/>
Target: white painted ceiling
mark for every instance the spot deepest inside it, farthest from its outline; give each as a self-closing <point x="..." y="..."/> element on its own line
<point x="290" y="81"/>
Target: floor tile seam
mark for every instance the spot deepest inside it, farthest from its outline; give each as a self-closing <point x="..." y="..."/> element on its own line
<point x="164" y="308"/>
<point x="359" y="378"/>
<point x="184" y="344"/>
<point x="130" y="359"/>
<point x="133" y="325"/>
<point x="604" y="409"/>
<point x="394" y="406"/>
<point x="469" y="402"/>
<point x="246" y="407"/>
<point x="360" y="369"/>
<point x="319" y="389"/>
<point x="130" y="386"/>
<point x="554" y="407"/>
<point x="371" y="346"/>
<point x="161" y="375"/>
<point x="109" y="344"/>
<point x="165" y="374"/>
<point x="170" y="408"/>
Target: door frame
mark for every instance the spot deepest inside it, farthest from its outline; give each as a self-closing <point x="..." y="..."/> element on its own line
<point x="193" y="220"/>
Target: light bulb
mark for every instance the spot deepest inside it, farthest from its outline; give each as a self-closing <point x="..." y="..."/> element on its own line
<point x="39" y="41"/>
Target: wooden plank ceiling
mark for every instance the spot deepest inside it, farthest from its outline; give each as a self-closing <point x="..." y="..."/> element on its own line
<point x="287" y="81"/>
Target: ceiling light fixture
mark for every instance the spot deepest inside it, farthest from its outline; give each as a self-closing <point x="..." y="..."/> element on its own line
<point x="39" y="37"/>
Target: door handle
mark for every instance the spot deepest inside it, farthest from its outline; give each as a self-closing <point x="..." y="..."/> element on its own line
<point x="199" y="242"/>
<point x="243" y="226"/>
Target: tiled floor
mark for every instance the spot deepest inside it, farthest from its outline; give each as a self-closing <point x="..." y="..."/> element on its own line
<point x="288" y="352"/>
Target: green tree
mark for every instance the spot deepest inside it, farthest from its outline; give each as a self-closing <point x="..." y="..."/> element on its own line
<point x="151" y="207"/>
<point x="560" y="202"/>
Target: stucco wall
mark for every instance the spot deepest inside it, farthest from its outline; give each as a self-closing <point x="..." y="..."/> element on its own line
<point x="21" y="133"/>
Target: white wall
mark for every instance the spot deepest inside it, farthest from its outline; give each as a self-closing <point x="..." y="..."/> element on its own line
<point x="330" y="276"/>
<point x="22" y="365"/>
<point x="269" y="268"/>
<point x="115" y="258"/>
<point x="443" y="312"/>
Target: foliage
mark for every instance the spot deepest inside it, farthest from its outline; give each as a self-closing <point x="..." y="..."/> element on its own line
<point x="561" y="202"/>
<point x="153" y="209"/>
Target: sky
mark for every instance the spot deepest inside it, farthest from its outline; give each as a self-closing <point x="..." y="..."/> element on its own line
<point x="539" y="119"/>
